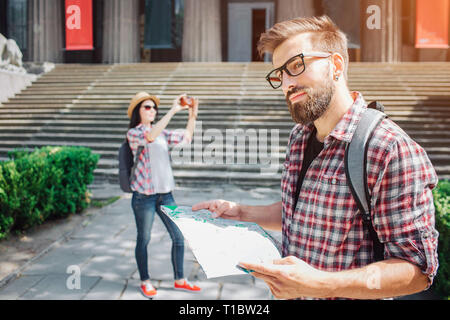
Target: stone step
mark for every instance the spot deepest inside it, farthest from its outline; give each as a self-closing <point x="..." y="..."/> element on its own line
<point x="109" y="160"/>
<point x="95" y="132"/>
<point x="255" y="100"/>
<point x="213" y="108"/>
<point x="209" y="114"/>
<point x="182" y="176"/>
<point x="257" y="93"/>
<point x="240" y="174"/>
<point x="89" y="109"/>
<point x="109" y="150"/>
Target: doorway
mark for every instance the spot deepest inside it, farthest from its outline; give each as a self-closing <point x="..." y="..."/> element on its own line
<point x="258" y="27"/>
<point x="246" y="22"/>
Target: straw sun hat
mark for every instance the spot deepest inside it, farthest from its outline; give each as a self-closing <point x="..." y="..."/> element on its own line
<point x="138" y="98"/>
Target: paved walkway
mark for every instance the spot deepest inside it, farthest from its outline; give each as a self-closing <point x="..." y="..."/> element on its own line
<point x="101" y="251"/>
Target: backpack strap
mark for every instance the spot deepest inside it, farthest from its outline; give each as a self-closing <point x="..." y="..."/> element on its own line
<point x="356" y="171"/>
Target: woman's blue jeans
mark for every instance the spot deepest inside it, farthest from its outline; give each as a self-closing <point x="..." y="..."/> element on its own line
<point x="144" y="208"/>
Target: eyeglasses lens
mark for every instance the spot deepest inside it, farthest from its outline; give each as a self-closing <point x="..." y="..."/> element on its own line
<point x="295" y="67"/>
<point x="275" y="79"/>
<point x="292" y="68"/>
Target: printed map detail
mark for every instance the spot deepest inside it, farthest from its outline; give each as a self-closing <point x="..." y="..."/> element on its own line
<point x="220" y="244"/>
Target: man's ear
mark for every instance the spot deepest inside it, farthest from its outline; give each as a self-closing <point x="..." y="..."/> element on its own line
<point x="338" y="63"/>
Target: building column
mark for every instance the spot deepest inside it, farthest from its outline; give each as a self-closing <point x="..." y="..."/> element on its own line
<point x="45" y="27"/>
<point x="382" y="42"/>
<point x="289" y="9"/>
<point x="120" y="31"/>
<point x="201" y="31"/>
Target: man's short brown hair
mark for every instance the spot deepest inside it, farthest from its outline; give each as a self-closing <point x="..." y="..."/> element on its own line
<point x="326" y="36"/>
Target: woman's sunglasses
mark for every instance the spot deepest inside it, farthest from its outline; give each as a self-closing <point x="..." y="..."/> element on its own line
<point x="148" y="108"/>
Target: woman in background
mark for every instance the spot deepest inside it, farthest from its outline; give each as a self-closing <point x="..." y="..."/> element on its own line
<point x="153" y="181"/>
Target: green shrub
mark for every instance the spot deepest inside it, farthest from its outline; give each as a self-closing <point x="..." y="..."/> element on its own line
<point x="18" y="153"/>
<point x="47" y="183"/>
<point x="442" y="203"/>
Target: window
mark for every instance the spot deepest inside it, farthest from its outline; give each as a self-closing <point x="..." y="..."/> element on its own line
<point x="16" y="13"/>
<point x="163" y="24"/>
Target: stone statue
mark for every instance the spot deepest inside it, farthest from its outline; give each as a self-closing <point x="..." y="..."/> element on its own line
<point x="10" y="55"/>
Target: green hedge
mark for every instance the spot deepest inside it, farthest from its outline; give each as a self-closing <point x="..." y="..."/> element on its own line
<point x="442" y="204"/>
<point x="47" y="183"/>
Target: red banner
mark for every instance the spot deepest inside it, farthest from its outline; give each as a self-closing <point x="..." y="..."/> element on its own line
<point x="432" y="23"/>
<point x="79" y="33"/>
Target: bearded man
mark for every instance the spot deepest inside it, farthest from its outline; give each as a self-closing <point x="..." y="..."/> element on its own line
<point x="327" y="252"/>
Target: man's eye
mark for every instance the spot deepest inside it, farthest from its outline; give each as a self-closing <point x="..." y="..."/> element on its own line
<point x="297" y="65"/>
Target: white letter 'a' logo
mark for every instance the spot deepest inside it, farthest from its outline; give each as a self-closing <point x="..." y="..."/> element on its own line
<point x="74" y="280"/>
<point x="374" y="21"/>
<point x="74" y="20"/>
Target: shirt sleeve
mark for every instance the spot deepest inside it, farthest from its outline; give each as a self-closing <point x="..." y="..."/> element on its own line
<point x="136" y="138"/>
<point x="174" y="137"/>
<point x="403" y="208"/>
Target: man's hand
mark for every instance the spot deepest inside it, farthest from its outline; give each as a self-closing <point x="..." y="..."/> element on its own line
<point x="220" y="208"/>
<point x="291" y="278"/>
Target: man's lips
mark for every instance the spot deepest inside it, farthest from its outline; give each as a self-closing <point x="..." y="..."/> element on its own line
<point x="296" y="95"/>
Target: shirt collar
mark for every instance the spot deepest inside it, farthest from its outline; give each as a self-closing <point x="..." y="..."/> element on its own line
<point x="140" y="126"/>
<point x="346" y="127"/>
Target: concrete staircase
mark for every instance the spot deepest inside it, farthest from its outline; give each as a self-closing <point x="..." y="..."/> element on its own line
<point x="86" y="105"/>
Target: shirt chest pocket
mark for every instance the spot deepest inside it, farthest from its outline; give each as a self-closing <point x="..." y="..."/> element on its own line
<point x="334" y="180"/>
<point x="334" y="198"/>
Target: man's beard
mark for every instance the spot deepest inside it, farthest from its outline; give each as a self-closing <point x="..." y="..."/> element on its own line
<point x="316" y="104"/>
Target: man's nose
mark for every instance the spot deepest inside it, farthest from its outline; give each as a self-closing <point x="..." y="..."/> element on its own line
<point x="288" y="82"/>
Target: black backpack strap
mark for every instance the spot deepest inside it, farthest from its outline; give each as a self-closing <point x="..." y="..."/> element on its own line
<point x="356" y="171"/>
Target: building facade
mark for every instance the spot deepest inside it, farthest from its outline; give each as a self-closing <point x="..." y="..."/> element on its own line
<point x="126" y="31"/>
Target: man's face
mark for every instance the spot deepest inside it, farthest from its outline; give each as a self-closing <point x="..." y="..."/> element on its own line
<point x="308" y="95"/>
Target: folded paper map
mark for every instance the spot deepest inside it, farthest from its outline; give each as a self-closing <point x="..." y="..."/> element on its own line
<point x="220" y="244"/>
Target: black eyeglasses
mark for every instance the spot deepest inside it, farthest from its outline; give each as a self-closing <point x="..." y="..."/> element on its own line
<point x="295" y="66"/>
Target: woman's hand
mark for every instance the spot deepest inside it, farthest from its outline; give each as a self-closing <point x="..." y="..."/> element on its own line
<point x="176" y="105"/>
<point x="162" y="124"/>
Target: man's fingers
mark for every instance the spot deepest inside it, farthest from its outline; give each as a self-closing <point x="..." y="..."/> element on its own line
<point x="209" y="205"/>
<point x="199" y="206"/>
<point x="271" y="281"/>
<point x="259" y="268"/>
<point x="224" y="207"/>
<point x="268" y="269"/>
<point x="217" y="207"/>
<point x="283" y="261"/>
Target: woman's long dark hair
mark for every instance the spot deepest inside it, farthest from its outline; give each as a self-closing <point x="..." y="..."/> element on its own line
<point x="136" y="117"/>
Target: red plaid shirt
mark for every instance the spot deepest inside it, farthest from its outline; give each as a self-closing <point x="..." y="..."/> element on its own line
<point x="326" y="230"/>
<point x="136" y="137"/>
